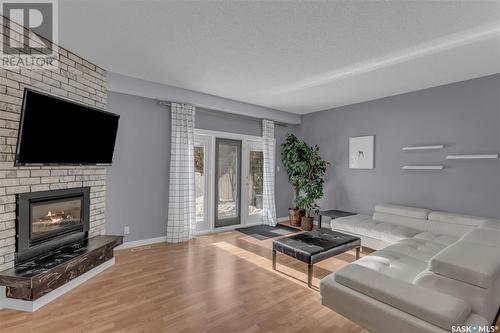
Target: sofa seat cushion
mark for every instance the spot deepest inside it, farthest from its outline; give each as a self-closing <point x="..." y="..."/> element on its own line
<point x="436" y="238"/>
<point x="473" y="263"/>
<point x="429" y="305"/>
<point x="388" y="232"/>
<point x="483" y="302"/>
<point x="350" y="223"/>
<point x="416" y="248"/>
<point x="393" y="264"/>
<point x="392" y="233"/>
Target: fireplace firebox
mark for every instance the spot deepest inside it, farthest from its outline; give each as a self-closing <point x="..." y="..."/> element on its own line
<point x="48" y="220"/>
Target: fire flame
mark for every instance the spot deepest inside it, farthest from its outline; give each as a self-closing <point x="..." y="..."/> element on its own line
<point x="55" y="217"/>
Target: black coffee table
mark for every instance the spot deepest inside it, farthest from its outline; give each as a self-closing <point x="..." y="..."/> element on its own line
<point x="314" y="246"/>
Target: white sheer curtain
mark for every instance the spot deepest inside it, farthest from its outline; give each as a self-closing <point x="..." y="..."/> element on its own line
<point x="181" y="200"/>
<point x="268" y="204"/>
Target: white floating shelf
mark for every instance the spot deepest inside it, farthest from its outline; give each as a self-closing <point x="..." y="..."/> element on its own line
<point x="424" y="147"/>
<point x="472" y="157"/>
<point x="423" y="167"/>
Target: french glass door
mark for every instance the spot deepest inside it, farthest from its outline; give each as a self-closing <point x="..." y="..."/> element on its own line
<point x="228" y="180"/>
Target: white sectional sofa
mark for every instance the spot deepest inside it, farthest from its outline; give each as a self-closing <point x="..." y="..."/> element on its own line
<point x="433" y="270"/>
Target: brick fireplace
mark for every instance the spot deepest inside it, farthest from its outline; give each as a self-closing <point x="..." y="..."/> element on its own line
<point x="76" y="79"/>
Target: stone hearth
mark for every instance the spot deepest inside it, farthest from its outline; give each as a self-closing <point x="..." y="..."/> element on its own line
<point x="37" y="277"/>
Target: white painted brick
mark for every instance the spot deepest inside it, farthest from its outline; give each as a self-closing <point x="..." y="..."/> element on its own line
<point x="74" y="184"/>
<point x="67" y="179"/>
<point x="37" y="188"/>
<point x="9" y="182"/>
<point x="7" y="250"/>
<point x="8" y="224"/>
<point x="7" y="216"/>
<point x="9" y="257"/>
<point x="9" y="83"/>
<point x="58" y="186"/>
<point x="58" y="172"/>
<point x="17" y="77"/>
<point x="10" y="207"/>
<point x="40" y="173"/>
<point x="41" y="85"/>
<point x="6" y="266"/>
<point x="7" y="233"/>
<point x="29" y="181"/>
<point x="7" y="241"/>
<point x="9" y="116"/>
<point x="67" y="61"/>
<point x="36" y="75"/>
<point x="17" y="189"/>
<point x="9" y="99"/>
<point x="47" y="180"/>
<point x="50" y="81"/>
<point x="7" y="199"/>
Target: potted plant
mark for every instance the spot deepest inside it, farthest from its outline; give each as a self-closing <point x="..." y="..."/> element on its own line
<point x="311" y="185"/>
<point x="292" y="156"/>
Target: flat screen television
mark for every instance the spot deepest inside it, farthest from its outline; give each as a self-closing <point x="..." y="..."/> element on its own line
<point x="56" y="131"/>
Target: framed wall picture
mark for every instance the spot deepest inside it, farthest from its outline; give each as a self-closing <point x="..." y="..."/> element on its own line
<point x="361" y="152"/>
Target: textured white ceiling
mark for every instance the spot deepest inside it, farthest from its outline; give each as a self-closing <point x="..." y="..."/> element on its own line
<point x="297" y="56"/>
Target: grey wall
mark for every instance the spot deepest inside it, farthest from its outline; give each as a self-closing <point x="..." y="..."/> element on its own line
<point x="284" y="191"/>
<point x="137" y="181"/>
<point x="463" y="116"/>
<point x="226" y="122"/>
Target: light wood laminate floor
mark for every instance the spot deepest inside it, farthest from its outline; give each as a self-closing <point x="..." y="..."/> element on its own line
<point x="215" y="283"/>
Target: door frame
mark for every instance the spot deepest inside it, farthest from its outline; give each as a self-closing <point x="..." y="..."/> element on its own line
<point x="211" y="180"/>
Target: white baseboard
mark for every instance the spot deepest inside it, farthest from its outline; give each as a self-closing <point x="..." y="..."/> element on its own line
<point x="32" y="306"/>
<point x="141" y="242"/>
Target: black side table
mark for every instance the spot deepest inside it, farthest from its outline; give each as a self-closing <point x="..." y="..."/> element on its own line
<point x="332" y="213"/>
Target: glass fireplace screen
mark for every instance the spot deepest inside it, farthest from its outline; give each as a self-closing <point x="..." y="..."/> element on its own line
<point x="55" y="216"/>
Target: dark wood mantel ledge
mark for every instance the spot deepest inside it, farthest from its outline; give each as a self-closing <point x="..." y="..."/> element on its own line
<point x="32" y="279"/>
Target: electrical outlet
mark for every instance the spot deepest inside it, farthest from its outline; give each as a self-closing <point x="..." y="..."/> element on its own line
<point x="126" y="230"/>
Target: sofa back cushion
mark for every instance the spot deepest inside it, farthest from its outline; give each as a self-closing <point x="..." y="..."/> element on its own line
<point x="452" y="224"/>
<point x="471" y="262"/>
<point x="484" y="236"/>
<point x="410" y="217"/>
